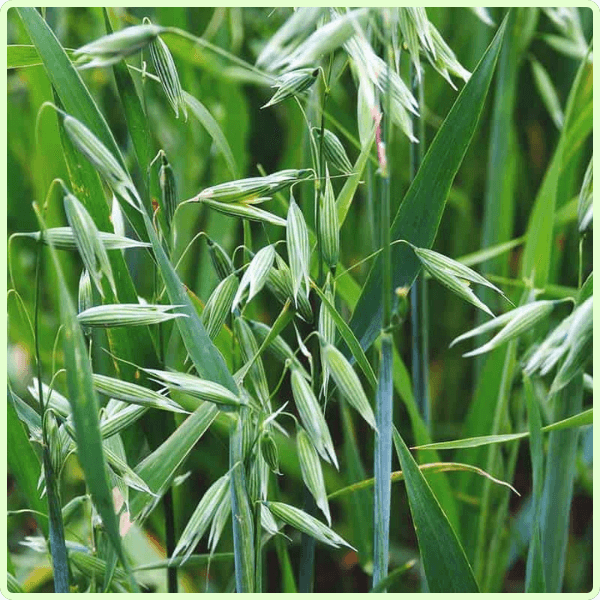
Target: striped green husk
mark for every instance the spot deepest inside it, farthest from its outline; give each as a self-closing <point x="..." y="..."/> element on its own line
<point x="113" y="47"/>
<point x="515" y="323"/>
<point x="334" y="152"/>
<point x="167" y="73"/>
<point x="87" y="240"/>
<point x="312" y="474"/>
<point x="306" y="524"/>
<point x="220" y="259"/>
<point x="252" y="188"/>
<point x="102" y="159"/>
<point x="126" y="315"/>
<point x="329" y="226"/>
<point x="293" y="84"/>
<point x="249" y="349"/>
<point x="63" y="238"/>
<point x="280" y="284"/>
<point x="256" y="274"/>
<point x="168" y="187"/>
<point x="131" y="392"/>
<point x="298" y="247"/>
<point x="201" y="518"/>
<point x="312" y="417"/>
<point x="348" y="383"/>
<point x="198" y="388"/>
<point x="219" y="305"/>
<point x="245" y="211"/>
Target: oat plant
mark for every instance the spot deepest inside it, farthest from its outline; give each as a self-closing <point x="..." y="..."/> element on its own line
<point x="252" y="238"/>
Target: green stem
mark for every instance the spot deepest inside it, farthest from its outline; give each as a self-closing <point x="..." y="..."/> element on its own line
<point x="418" y="293"/>
<point x="171" y="538"/>
<point x="58" y="548"/>
<point x="307" y="551"/>
<point x="384" y="396"/>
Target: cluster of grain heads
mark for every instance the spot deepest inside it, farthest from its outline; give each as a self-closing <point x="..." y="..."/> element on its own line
<point x="321" y="42"/>
<point x="127" y="315"/>
<point x="372" y="75"/>
<point x="114" y="47"/>
<point x="568" y="21"/>
<point x="87" y="239"/>
<point x="514" y="323"/>
<point x="455" y="276"/>
<point x="444" y="60"/>
<point x="298" y="26"/>
<point x="414" y="27"/>
<point x="165" y="68"/>
<point x="102" y="160"/>
<point x="571" y="342"/>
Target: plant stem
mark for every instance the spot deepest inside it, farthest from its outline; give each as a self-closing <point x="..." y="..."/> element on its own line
<point x="171" y="538"/>
<point x="384" y="395"/>
<point x="307" y="551"/>
<point x="58" y="548"/>
<point x="418" y="293"/>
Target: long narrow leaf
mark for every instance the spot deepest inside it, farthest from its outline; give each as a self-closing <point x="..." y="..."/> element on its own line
<point x="444" y="561"/>
<point x="534" y="575"/>
<point x="579" y="420"/>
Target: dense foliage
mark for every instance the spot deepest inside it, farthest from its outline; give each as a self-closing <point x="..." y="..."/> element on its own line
<point x="257" y="257"/>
